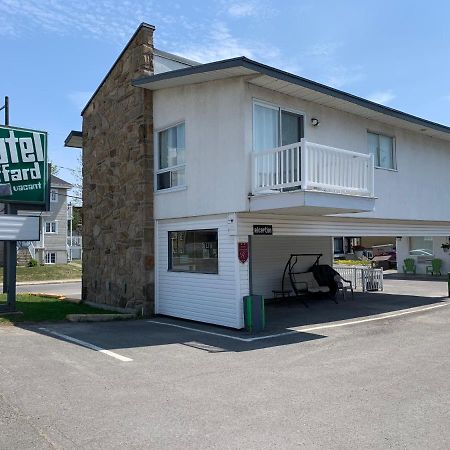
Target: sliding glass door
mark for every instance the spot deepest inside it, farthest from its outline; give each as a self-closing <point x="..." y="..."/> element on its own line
<point x="274" y="127"/>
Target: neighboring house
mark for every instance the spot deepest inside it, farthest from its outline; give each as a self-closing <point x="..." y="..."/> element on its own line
<point x="187" y="170"/>
<point x="52" y="248"/>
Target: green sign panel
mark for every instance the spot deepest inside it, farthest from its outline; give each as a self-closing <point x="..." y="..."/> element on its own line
<point x="23" y="166"/>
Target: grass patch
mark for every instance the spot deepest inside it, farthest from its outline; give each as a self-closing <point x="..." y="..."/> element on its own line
<point x="351" y="262"/>
<point x="44" y="309"/>
<point x="48" y="272"/>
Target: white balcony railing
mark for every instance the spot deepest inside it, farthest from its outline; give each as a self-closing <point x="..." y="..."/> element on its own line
<point x="308" y="166"/>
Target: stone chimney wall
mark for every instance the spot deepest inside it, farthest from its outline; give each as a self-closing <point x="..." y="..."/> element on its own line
<point x="118" y="227"/>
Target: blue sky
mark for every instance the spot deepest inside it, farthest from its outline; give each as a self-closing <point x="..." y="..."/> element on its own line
<point x="55" y="52"/>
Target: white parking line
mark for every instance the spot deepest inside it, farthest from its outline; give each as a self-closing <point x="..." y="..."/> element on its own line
<point x="306" y="329"/>
<point x="87" y="345"/>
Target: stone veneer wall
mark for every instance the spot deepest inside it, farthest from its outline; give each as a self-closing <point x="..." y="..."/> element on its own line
<point x="118" y="230"/>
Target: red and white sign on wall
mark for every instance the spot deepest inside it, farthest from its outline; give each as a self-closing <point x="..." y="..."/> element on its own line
<point x="243" y="252"/>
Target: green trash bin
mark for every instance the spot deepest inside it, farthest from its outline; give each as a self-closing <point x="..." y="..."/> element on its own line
<point x="254" y="313"/>
<point x="448" y="283"/>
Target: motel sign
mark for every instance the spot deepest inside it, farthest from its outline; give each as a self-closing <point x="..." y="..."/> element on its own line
<point x="23" y="166"/>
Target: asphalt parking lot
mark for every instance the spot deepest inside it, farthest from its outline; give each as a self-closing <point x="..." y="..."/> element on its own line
<point x="379" y="381"/>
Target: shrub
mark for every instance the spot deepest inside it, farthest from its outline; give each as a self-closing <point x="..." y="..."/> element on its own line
<point x="32" y="263"/>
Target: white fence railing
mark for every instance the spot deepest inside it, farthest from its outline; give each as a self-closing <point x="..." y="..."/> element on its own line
<point x="75" y="241"/>
<point x="364" y="278"/>
<point x="29" y="245"/>
<point x="306" y="165"/>
<point x="74" y="247"/>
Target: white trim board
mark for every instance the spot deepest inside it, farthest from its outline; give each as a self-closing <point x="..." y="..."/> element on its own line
<point x="339" y="226"/>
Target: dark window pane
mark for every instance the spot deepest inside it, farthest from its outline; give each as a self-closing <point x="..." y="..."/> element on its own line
<point x="194" y="251"/>
<point x="339" y="245"/>
<point x="290" y="128"/>
<point x="163" y="180"/>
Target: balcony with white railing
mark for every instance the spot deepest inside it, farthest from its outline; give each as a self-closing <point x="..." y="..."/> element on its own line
<point x="306" y="167"/>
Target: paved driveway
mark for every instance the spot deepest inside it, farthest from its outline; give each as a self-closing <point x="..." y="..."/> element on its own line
<point x="380" y="383"/>
<point x="72" y="289"/>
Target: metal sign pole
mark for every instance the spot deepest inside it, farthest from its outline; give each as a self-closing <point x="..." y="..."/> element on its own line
<point x="5" y="244"/>
<point x="12" y="264"/>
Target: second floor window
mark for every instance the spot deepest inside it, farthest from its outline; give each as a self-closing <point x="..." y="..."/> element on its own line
<point x="51" y="227"/>
<point x="53" y="195"/>
<point x="383" y="149"/>
<point x="274" y="127"/>
<point x="171" y="158"/>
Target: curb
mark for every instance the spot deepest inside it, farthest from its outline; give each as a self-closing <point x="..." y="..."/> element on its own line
<point x="70" y="280"/>
<point x="57" y="296"/>
<point x="98" y="317"/>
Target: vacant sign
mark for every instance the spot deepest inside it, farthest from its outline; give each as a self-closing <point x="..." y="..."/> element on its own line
<point x="19" y="228"/>
<point x="262" y="229"/>
<point x="23" y="166"/>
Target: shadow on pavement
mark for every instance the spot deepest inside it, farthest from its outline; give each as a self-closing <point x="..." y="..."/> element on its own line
<point x="281" y="318"/>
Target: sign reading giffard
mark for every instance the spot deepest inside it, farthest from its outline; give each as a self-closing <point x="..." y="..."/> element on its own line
<point x="23" y="166"/>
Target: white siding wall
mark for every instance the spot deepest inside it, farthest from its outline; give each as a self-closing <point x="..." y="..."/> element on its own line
<point x="215" y="156"/>
<point x="218" y="116"/>
<point x="162" y="64"/>
<point x="203" y="297"/>
<point x="416" y="191"/>
<point x="270" y="254"/>
<point x="285" y="225"/>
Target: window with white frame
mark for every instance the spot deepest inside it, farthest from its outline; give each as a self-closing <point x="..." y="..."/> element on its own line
<point x="194" y="251"/>
<point x="171" y="158"/>
<point x="51" y="227"/>
<point x="50" y="258"/>
<point x="53" y="195"/>
<point x="383" y="149"/>
<point x="274" y="126"/>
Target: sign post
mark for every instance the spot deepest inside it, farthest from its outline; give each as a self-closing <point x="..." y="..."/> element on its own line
<point x="24" y="184"/>
<point x="5" y="244"/>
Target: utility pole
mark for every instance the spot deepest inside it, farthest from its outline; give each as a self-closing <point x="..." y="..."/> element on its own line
<point x="6" y="210"/>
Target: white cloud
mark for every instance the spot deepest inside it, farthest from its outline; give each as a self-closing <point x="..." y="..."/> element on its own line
<point x="219" y="43"/>
<point x="242" y="9"/>
<point x="341" y="76"/>
<point x="101" y="19"/>
<point x="79" y="98"/>
<point x="324" y="49"/>
<point x="382" y="97"/>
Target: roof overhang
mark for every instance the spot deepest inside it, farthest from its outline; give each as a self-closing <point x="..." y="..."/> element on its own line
<point x="74" y="139"/>
<point x="293" y="85"/>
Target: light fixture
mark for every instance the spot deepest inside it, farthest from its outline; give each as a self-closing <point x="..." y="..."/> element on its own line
<point x="315" y="122"/>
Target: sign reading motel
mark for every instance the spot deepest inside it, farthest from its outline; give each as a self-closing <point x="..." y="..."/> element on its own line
<point x="23" y="166"/>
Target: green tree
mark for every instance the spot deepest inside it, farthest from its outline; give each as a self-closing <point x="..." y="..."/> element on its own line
<point x="54" y="168"/>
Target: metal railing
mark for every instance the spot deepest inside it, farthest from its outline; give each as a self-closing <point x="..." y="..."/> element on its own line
<point x="364" y="278"/>
<point x="309" y="166"/>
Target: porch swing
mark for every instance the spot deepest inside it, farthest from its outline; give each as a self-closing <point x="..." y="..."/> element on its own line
<point x="318" y="281"/>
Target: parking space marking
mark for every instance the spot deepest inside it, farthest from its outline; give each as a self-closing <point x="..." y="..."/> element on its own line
<point x="373" y="319"/>
<point x="305" y="329"/>
<point x="236" y="338"/>
<point x="87" y="345"/>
